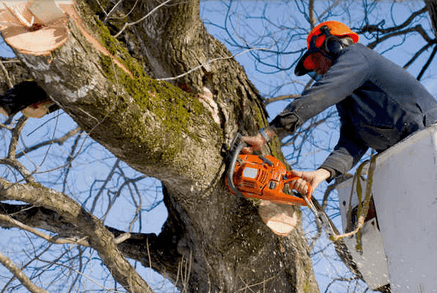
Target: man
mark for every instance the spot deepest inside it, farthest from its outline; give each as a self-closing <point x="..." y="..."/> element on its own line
<point x="378" y="102"/>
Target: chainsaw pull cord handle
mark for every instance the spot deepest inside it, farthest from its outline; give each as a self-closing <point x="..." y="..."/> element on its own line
<point x="232" y="168"/>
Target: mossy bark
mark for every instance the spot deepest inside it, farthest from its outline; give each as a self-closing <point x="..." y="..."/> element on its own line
<point x="162" y="130"/>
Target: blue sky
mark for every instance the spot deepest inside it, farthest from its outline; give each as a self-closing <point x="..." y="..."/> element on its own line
<point x="5" y="51"/>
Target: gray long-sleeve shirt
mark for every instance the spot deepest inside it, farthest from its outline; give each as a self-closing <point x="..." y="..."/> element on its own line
<point x="378" y="102"/>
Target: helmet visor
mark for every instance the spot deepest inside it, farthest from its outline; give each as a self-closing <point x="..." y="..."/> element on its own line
<point x="311" y="60"/>
<point x="321" y="45"/>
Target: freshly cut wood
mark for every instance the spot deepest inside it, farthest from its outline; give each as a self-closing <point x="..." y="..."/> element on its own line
<point x="280" y="218"/>
<point x="29" y="34"/>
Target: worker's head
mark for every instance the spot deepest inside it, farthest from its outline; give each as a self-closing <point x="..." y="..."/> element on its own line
<point x="324" y="42"/>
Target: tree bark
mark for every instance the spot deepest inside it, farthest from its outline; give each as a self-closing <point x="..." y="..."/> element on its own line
<point x="173" y="135"/>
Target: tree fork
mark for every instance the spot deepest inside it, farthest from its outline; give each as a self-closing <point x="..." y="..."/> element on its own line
<point x="161" y="131"/>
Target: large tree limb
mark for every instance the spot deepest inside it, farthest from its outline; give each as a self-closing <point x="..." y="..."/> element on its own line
<point x="158" y="252"/>
<point x="105" y="101"/>
<point x="97" y="235"/>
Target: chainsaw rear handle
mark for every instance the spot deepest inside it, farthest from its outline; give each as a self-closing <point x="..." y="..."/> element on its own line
<point x="309" y="192"/>
<point x="274" y="191"/>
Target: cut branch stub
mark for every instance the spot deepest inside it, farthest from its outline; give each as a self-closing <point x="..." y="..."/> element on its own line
<point x="33" y="27"/>
<point x="40" y="26"/>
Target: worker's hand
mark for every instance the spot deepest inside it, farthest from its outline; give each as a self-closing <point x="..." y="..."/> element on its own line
<point x="314" y="178"/>
<point x="255" y="143"/>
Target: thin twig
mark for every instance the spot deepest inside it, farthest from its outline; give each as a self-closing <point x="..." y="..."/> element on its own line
<point x="208" y="63"/>
<point x="112" y="11"/>
<point x="24" y="266"/>
<point x="3" y="68"/>
<point x="257" y="284"/>
<point x="59" y="141"/>
<point x="82" y="275"/>
<point x="126" y="25"/>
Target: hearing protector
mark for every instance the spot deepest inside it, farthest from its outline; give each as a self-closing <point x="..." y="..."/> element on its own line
<point x="332" y="45"/>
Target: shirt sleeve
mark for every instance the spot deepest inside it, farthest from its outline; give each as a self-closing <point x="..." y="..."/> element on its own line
<point x="348" y="151"/>
<point x="346" y="74"/>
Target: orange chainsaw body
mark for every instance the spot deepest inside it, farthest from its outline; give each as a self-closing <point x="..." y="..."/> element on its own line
<point x="264" y="178"/>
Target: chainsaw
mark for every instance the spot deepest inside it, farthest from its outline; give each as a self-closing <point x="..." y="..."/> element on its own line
<point x="262" y="177"/>
<point x="266" y="177"/>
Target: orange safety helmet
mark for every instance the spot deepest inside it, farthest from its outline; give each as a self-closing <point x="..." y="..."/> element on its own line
<point x="318" y="39"/>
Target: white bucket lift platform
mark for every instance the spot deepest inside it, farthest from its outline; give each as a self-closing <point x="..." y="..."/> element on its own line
<point x="405" y="196"/>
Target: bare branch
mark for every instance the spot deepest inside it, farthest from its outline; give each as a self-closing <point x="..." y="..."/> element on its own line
<point x="376" y="28"/>
<point x="59" y="141"/>
<point x="425" y="67"/>
<point x="432" y="8"/>
<point x="15" y="136"/>
<point x="54" y="240"/>
<point x="144" y="247"/>
<point x="11" y="158"/>
<point x="418" y="28"/>
<point x="27" y="175"/>
<point x="312" y="19"/>
<point x="7" y="262"/>
<point x="108" y="15"/>
<point x="280" y="98"/>
<point x="208" y="64"/>
<point x="417" y="55"/>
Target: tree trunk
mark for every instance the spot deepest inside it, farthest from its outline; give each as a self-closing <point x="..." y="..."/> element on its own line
<point x="173" y="131"/>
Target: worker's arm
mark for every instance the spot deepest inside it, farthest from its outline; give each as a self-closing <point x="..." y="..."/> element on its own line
<point x="345" y="155"/>
<point x="347" y="74"/>
<point x="347" y="152"/>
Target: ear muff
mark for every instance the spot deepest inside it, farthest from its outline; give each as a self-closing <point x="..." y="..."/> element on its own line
<point x="333" y="46"/>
